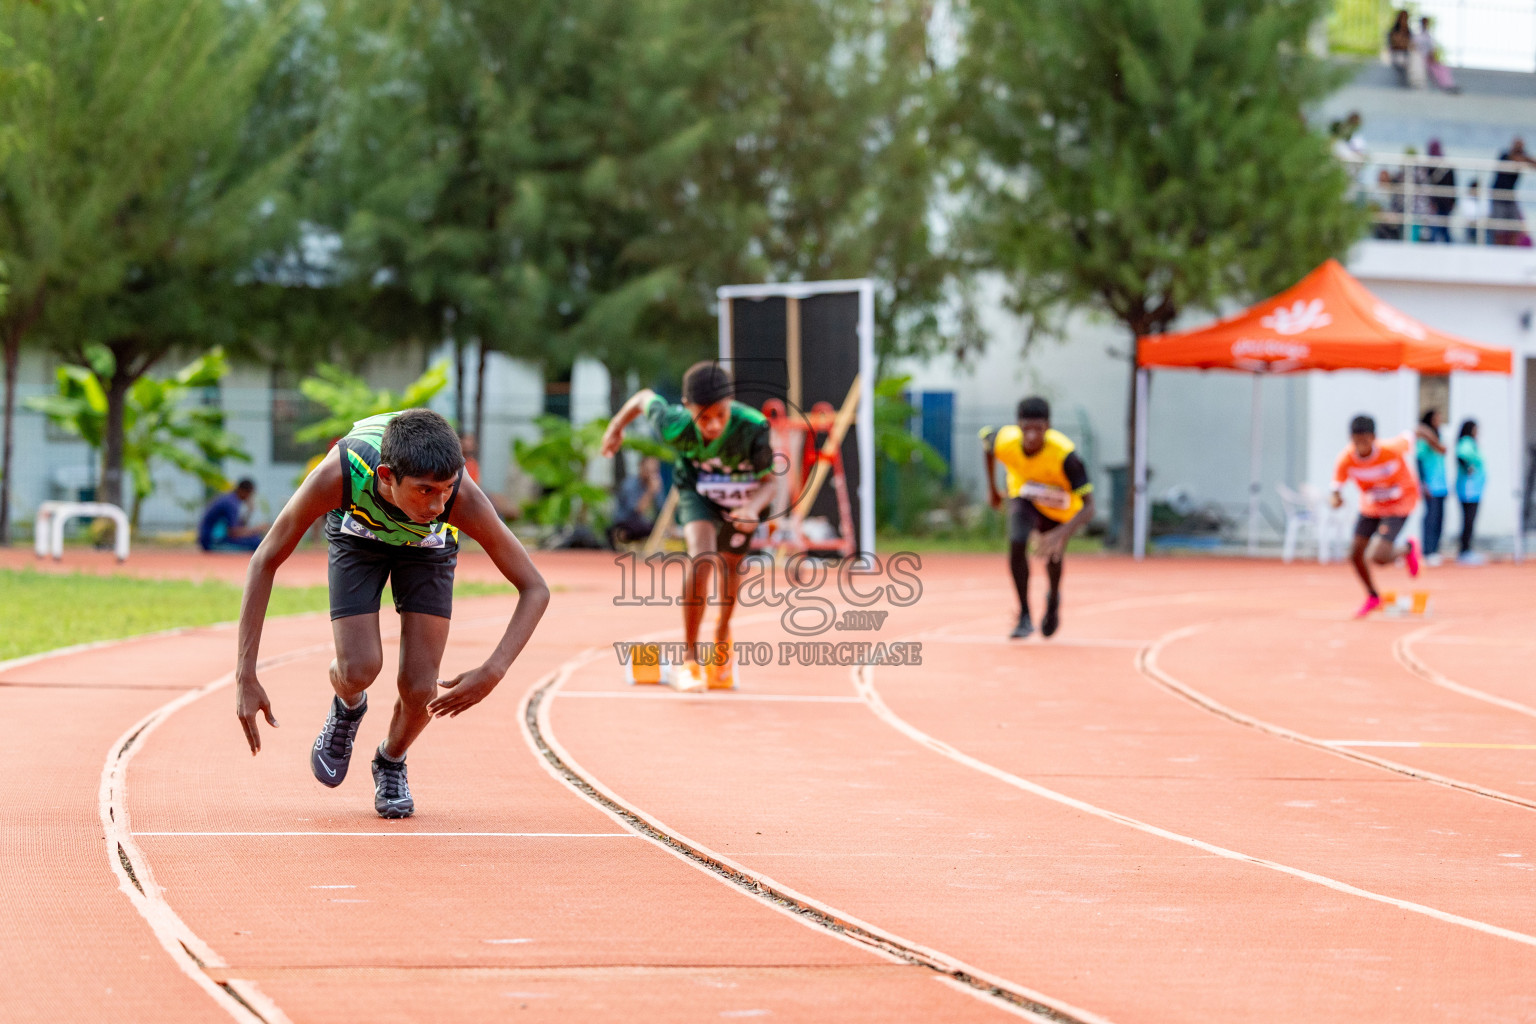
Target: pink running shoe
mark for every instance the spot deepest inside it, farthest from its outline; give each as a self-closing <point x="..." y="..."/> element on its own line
<point x="1412" y="557"/>
<point x="1371" y="604"/>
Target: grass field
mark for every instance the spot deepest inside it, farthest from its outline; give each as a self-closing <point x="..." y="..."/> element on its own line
<point x="45" y="610"/>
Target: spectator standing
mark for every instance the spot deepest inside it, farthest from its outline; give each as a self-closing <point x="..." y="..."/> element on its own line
<point x="1501" y="196"/>
<point x="1475" y="211"/>
<point x="1400" y="48"/>
<point x="1348" y="145"/>
<point x="1429" y="52"/>
<point x="1431" y="459"/>
<point x="1389" y="226"/>
<point x="1470" y="478"/>
<point x="223" y="526"/>
<point x="1440" y="194"/>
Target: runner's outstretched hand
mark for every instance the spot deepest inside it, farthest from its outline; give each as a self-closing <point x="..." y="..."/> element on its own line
<point x="464" y="691"/>
<point x="250" y="698"/>
<point x="1049" y="546"/>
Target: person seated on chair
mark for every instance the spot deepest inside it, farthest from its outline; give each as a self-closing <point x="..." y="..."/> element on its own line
<point x="223" y="526"/>
<point x="635" y="515"/>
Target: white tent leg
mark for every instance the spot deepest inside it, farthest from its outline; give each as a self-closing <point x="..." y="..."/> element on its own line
<point x="1139" y="522"/>
<point x="1255" y="462"/>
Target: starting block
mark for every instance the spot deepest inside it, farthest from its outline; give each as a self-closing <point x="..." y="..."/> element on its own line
<point x="647" y="667"/>
<point x="1408" y="602"/>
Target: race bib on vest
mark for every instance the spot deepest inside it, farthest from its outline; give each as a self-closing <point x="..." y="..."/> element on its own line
<point x="350" y="525"/>
<point x="1045" y="495"/>
<point x="724" y="491"/>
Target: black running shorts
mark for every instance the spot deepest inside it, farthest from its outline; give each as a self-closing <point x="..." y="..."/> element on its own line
<point x="693" y="507"/>
<point x="421" y="579"/>
<point x="1024" y="517"/>
<point x="1385" y="527"/>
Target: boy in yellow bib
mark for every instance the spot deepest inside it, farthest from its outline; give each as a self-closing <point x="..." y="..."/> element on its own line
<point x="1048" y="494"/>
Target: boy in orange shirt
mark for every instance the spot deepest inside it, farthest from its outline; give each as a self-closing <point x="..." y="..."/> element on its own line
<point x="1388" y="493"/>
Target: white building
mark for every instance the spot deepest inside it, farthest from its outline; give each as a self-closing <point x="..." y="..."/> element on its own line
<point x="1200" y="420"/>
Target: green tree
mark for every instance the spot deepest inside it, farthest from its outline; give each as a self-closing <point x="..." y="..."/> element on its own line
<point x="163" y="420"/>
<point x="558" y="461"/>
<point x="136" y="209"/>
<point x="348" y="398"/>
<point x="1148" y="157"/>
<point x="555" y="179"/>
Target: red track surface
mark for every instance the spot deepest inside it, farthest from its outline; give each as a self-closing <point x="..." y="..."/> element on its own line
<point x="1211" y="797"/>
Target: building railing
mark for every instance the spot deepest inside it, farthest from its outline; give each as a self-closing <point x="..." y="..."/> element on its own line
<point x="1432" y="199"/>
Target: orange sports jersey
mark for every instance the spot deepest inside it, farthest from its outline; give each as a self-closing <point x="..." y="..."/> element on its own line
<point x="1388" y="486"/>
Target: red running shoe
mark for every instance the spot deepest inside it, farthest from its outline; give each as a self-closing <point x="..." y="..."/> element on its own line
<point x="1371" y="604"/>
<point x="1413" y="557"/>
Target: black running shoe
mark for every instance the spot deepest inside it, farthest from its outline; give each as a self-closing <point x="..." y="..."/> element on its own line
<point x="391" y="793"/>
<point x="1023" y="629"/>
<point x="332" y="751"/>
<point x="1052" y="621"/>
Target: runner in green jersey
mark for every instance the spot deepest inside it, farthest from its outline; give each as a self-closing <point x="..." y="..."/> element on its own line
<point x="395" y="496"/>
<point x="724" y="458"/>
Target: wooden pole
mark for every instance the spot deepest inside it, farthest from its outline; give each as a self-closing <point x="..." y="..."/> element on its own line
<point x="663" y="521"/>
<point x="834" y="440"/>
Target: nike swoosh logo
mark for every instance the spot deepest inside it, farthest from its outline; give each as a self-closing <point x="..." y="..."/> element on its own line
<point x="328" y="769"/>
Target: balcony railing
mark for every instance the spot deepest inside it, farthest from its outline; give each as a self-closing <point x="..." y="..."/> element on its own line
<point x="1430" y="199"/>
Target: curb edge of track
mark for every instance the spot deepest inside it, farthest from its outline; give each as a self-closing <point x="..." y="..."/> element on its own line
<point x="796" y="906"/>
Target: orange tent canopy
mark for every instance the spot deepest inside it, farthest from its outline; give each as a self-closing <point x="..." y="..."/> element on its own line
<point x="1326" y="321"/>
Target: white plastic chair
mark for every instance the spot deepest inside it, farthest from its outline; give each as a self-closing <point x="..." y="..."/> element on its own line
<point x="1328" y="523"/>
<point x="1300" y="514"/>
<point x="1306" y="510"/>
<point x="48" y="526"/>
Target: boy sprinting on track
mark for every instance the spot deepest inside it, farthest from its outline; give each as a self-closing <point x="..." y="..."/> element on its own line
<point x="724" y="457"/>
<point x="395" y="495"/>
<point x="1048" y="495"/>
<point x="1388" y="493"/>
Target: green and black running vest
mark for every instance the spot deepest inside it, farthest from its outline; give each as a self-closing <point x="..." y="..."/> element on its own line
<point x="363" y="513"/>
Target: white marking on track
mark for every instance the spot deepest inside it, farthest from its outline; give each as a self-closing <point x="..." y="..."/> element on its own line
<point x="562" y="674"/>
<point x="722" y="696"/>
<point x="409" y="835"/>
<point x="1147" y="664"/>
<point x="184" y="946"/>
<point x="866" y="688"/>
<point x="1402" y="650"/>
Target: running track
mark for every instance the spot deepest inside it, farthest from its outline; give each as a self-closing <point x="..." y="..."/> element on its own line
<point x="1211" y="798"/>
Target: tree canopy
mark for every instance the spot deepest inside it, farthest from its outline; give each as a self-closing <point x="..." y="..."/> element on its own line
<point x="1147" y="157"/>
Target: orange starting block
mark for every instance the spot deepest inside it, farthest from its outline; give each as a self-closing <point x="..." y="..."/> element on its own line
<point x="1409" y="602"/>
<point x="647" y="667"/>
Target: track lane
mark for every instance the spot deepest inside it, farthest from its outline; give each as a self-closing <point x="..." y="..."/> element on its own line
<point x="656" y="787"/>
<point x="458" y="906"/>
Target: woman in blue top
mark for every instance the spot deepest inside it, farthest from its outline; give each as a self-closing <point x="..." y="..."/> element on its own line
<point x="1431" y="459"/>
<point x="1470" y="478"/>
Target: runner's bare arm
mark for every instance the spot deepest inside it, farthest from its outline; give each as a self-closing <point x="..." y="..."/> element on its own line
<point x="472" y="513"/>
<point x="318" y="494"/>
<point x="614" y="435"/>
<point x="994" y="498"/>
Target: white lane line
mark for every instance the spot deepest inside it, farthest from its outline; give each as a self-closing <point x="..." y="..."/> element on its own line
<point x="407" y="835"/>
<point x="863" y="682"/>
<point x="551" y="686"/>
<point x="722" y="696"/>
<point x="1002" y="641"/>
<point x="241" y="999"/>
<point x="1429" y="744"/>
<point x="1147" y="664"/>
<point x="1402" y="650"/>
